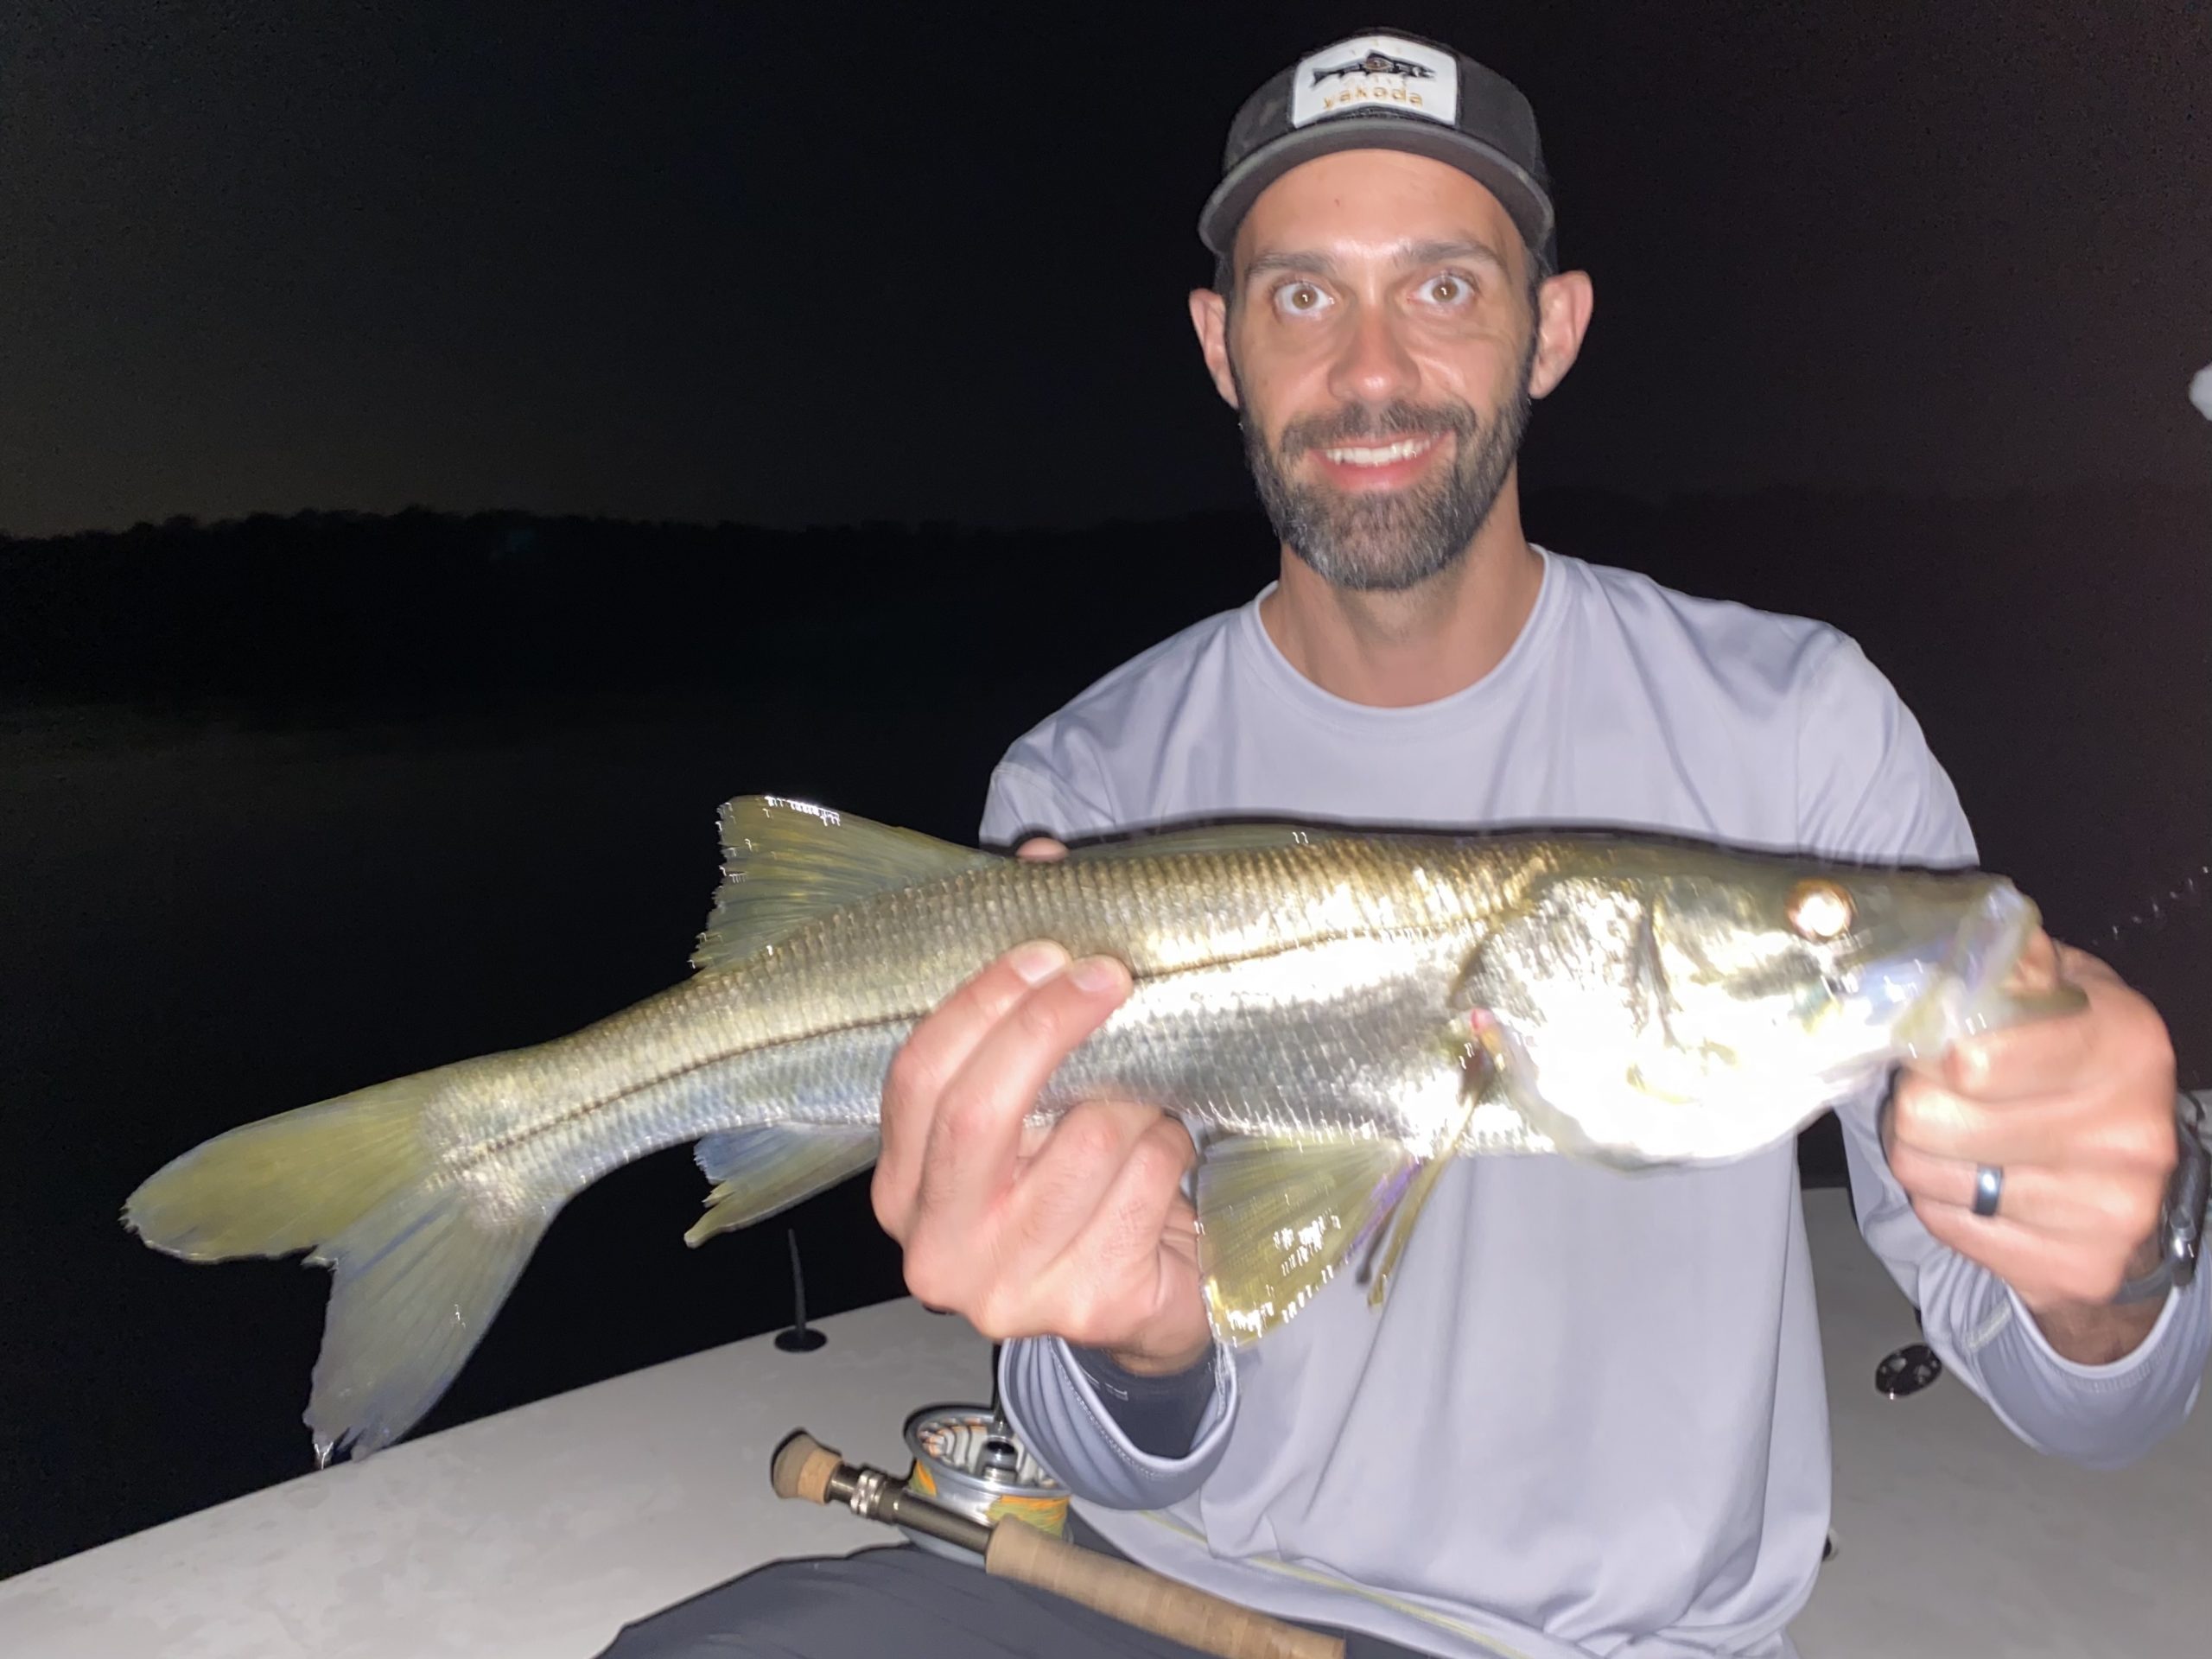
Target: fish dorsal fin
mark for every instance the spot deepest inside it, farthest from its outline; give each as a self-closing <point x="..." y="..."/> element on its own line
<point x="786" y="863"/>
<point x="1206" y="838"/>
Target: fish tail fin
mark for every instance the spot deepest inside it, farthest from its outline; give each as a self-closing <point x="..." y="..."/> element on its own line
<point x="421" y="1261"/>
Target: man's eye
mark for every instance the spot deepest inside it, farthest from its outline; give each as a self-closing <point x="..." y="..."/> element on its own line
<point x="1450" y="290"/>
<point x="1300" y="297"/>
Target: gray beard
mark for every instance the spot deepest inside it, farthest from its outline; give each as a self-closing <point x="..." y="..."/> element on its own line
<point x="1386" y="543"/>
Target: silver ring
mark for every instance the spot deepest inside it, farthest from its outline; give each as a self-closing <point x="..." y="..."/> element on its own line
<point x="1988" y="1183"/>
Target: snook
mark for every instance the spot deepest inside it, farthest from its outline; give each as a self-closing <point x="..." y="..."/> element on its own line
<point x="1333" y="1016"/>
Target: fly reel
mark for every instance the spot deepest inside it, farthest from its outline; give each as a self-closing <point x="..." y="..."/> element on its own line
<point x="969" y="1459"/>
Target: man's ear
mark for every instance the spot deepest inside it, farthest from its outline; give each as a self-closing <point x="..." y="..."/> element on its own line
<point x="1210" y="320"/>
<point x="1564" y="305"/>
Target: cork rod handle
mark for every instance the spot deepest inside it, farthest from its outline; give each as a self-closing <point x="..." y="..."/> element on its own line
<point x="802" y="1469"/>
<point x="1137" y="1595"/>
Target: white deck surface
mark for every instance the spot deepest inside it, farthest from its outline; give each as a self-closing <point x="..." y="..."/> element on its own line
<point x="538" y="1533"/>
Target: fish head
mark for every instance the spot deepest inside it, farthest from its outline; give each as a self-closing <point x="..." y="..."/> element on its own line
<point x="1699" y="1010"/>
<point x="1832" y="970"/>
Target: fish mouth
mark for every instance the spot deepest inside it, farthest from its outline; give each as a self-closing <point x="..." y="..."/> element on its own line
<point x="1966" y="991"/>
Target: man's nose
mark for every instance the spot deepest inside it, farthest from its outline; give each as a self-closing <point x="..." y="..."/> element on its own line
<point x="1374" y="365"/>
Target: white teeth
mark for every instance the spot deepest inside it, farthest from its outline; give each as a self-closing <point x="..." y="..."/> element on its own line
<point x="1404" y="450"/>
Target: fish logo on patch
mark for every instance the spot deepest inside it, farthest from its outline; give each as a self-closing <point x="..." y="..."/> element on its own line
<point x="1377" y="63"/>
<point x="1376" y="73"/>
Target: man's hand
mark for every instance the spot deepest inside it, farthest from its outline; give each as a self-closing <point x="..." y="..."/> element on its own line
<point x="1080" y="1232"/>
<point x="2078" y="1112"/>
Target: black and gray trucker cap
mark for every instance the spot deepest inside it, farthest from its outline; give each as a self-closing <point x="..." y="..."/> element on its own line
<point x="1386" y="92"/>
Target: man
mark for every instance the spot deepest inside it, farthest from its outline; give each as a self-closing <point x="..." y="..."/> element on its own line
<point x="1590" y="1417"/>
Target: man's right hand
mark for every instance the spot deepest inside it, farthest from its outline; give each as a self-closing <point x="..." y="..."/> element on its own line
<point x="1081" y="1232"/>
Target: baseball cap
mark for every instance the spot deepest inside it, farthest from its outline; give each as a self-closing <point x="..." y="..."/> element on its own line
<point x="1385" y="91"/>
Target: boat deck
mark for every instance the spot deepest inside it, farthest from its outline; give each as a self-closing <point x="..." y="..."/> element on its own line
<point x="537" y="1533"/>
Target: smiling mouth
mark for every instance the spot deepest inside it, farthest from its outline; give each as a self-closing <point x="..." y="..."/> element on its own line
<point x="1389" y="454"/>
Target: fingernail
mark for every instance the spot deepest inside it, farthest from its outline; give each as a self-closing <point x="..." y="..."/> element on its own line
<point x="1037" y="961"/>
<point x="1097" y="974"/>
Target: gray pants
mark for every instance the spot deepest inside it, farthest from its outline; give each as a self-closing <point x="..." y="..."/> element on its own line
<point x="900" y="1602"/>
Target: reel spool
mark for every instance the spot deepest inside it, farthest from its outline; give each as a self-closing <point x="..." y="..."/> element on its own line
<point x="969" y="1459"/>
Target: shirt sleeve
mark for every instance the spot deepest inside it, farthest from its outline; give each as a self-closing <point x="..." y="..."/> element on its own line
<point x="1024" y="800"/>
<point x="1118" y="1440"/>
<point x="1868" y="786"/>
<point x="1074" y="1425"/>
<point x="1161" y="1415"/>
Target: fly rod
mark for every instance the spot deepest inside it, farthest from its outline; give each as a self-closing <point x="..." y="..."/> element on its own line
<point x="805" y="1468"/>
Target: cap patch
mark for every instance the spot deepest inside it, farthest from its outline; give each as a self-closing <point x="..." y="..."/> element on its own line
<point x="1376" y="72"/>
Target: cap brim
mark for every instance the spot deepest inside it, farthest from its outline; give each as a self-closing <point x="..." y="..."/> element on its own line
<point x="1520" y="195"/>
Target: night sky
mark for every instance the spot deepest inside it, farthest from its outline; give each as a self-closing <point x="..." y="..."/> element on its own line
<point x="803" y="265"/>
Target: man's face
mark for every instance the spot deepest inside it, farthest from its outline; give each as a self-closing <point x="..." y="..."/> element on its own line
<point x="1382" y="354"/>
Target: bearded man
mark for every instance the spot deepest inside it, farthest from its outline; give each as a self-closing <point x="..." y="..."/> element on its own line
<point x="1590" y="1418"/>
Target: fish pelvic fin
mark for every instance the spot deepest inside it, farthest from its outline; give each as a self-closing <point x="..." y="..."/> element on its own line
<point x="421" y="1263"/>
<point x="1276" y="1219"/>
<point x="1481" y="1056"/>
<point x="785" y="862"/>
<point x="758" y="1171"/>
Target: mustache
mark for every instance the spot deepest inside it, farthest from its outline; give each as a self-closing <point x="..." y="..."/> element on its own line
<point x="1361" y="422"/>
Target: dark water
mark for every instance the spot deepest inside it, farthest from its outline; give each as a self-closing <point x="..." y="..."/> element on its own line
<point x="206" y="923"/>
<point x="206" y="928"/>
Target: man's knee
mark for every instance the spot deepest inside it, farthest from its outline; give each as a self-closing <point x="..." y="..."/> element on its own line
<point x="827" y="1607"/>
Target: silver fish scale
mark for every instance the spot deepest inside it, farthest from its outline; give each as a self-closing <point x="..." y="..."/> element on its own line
<point x="1296" y="992"/>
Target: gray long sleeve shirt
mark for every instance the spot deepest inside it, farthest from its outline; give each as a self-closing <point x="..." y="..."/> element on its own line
<point x="1591" y="1418"/>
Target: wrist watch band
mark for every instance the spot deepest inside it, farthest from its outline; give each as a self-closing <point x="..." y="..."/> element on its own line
<point x="2181" y="1223"/>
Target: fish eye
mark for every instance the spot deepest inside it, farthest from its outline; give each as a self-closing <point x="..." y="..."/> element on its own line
<point x="1819" y="911"/>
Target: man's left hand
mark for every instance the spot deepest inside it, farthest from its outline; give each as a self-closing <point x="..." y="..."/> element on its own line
<point x="2077" y="1112"/>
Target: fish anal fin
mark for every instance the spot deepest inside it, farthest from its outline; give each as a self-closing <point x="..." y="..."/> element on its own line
<point x="758" y="1171"/>
<point x="785" y="863"/>
<point x="1276" y="1219"/>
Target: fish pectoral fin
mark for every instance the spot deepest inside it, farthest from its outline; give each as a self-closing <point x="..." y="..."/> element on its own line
<point x="1497" y="1067"/>
<point x="785" y="863"/>
<point x="1276" y="1218"/>
<point x="758" y="1172"/>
